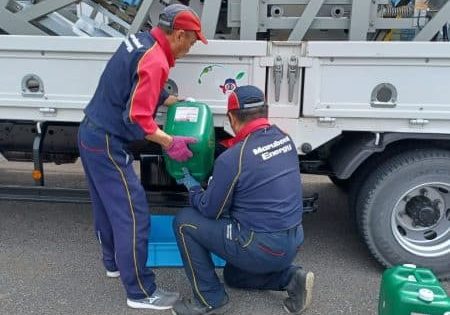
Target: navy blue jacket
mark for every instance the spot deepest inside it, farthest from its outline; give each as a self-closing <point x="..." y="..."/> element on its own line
<point x="132" y="87"/>
<point x="257" y="182"/>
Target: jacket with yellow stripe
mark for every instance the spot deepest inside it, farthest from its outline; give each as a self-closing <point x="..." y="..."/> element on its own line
<point x="132" y="87"/>
<point x="256" y="182"/>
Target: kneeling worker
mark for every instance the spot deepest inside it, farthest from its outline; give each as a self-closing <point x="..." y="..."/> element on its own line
<point x="250" y="215"/>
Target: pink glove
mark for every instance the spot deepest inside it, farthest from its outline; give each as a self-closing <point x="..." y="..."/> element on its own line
<point x="179" y="150"/>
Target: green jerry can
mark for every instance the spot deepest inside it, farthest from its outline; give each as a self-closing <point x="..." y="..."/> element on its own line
<point x="192" y="119"/>
<point x="408" y="290"/>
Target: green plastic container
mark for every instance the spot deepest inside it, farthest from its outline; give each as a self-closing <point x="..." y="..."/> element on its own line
<point x="407" y="290"/>
<point x="192" y="119"/>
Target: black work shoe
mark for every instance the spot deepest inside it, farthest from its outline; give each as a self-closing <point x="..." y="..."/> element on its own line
<point x="299" y="291"/>
<point x="192" y="307"/>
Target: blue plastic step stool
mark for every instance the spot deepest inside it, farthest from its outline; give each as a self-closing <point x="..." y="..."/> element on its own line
<point x="162" y="248"/>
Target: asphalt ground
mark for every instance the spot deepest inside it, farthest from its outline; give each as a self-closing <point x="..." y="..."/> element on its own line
<point x="50" y="260"/>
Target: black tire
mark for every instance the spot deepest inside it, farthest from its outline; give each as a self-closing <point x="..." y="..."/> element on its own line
<point x="380" y="199"/>
<point x="352" y="196"/>
<point x="362" y="174"/>
<point x="341" y="183"/>
<point x="354" y="188"/>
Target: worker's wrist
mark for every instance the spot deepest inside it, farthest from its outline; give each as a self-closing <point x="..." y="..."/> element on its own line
<point x="161" y="138"/>
<point x="166" y="142"/>
<point x="195" y="188"/>
<point x="171" y="99"/>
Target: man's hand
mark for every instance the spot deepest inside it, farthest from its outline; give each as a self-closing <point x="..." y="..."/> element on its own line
<point x="187" y="180"/>
<point x="178" y="150"/>
<point x="171" y="99"/>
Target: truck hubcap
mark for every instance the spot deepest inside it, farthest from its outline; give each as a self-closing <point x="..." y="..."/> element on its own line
<point x="423" y="211"/>
<point x="421" y="220"/>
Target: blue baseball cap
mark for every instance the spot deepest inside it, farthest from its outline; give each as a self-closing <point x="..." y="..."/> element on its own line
<point x="247" y="96"/>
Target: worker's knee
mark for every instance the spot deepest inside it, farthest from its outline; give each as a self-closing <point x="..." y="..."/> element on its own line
<point x="183" y="217"/>
<point x="231" y="276"/>
<point x="227" y="276"/>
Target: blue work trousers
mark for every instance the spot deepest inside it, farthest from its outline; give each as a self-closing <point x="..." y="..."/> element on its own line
<point x="254" y="260"/>
<point x="119" y="206"/>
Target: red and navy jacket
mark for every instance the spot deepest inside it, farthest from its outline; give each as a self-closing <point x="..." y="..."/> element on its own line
<point x="256" y="181"/>
<point x="132" y="86"/>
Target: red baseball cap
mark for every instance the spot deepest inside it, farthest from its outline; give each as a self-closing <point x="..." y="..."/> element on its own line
<point x="181" y="17"/>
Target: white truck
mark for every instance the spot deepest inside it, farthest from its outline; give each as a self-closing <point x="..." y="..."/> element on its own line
<point x="361" y="86"/>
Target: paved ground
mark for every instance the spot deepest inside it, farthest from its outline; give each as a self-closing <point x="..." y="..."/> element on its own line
<point x="50" y="263"/>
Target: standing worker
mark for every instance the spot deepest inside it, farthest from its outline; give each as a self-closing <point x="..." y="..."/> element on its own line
<point x="250" y="215"/>
<point x="123" y="110"/>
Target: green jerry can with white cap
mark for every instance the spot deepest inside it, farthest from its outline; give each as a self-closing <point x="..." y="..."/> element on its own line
<point x="192" y="119"/>
<point x="408" y="290"/>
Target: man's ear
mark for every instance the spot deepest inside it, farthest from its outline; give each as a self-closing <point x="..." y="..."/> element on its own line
<point x="179" y="34"/>
<point x="231" y="118"/>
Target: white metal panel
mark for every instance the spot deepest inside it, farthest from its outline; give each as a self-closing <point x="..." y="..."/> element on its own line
<point x="209" y="88"/>
<point x="23" y="43"/>
<point x="343" y="76"/>
<point x="94" y="45"/>
<point x="230" y="48"/>
<point x="310" y="131"/>
<point x="306" y="130"/>
<point x="377" y="49"/>
<point x="70" y="68"/>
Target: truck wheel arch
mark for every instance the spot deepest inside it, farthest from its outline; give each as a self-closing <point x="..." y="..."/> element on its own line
<point x="354" y="149"/>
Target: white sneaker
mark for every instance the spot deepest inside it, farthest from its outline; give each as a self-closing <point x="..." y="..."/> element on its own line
<point x="113" y="274"/>
<point x="159" y="300"/>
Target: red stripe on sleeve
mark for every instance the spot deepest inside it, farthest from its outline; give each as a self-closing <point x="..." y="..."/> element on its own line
<point x="152" y="73"/>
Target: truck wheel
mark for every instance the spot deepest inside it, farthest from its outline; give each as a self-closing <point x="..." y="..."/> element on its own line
<point x="403" y="210"/>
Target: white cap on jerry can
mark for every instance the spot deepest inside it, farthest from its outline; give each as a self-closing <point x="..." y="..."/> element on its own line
<point x="410" y="266"/>
<point x="426" y="295"/>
